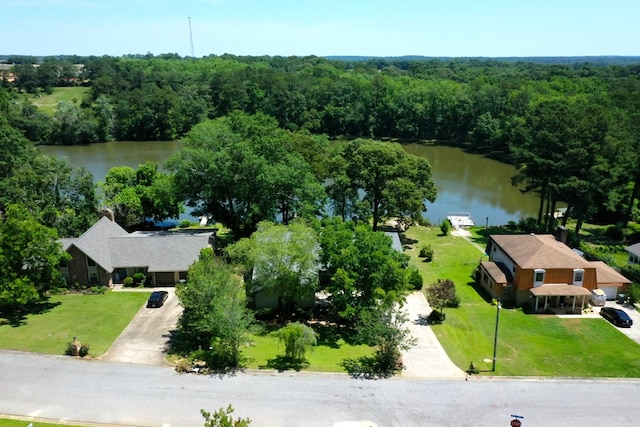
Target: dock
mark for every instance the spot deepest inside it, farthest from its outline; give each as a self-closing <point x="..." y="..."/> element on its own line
<point x="460" y="219"/>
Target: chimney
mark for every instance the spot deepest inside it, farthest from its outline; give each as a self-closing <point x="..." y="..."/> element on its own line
<point x="562" y="234"/>
<point x="108" y="213"/>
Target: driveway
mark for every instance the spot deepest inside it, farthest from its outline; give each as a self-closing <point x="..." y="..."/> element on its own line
<point x="145" y="339"/>
<point x="632" y="332"/>
<point x="427" y="359"/>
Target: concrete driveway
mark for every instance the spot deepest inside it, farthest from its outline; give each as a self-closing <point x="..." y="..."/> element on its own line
<point x="427" y="359"/>
<point x="145" y="339"/>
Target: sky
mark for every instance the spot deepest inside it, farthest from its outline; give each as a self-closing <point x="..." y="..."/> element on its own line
<point x="453" y="28"/>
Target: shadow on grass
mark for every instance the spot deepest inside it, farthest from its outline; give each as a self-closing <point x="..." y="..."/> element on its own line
<point x="482" y="292"/>
<point x="366" y="368"/>
<point x="285" y="363"/>
<point x="18" y="316"/>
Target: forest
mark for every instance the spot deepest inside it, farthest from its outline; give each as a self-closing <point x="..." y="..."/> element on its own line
<point x="570" y="127"/>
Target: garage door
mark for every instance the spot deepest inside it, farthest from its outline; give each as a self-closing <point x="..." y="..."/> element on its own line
<point x="610" y="291"/>
<point x="165" y="279"/>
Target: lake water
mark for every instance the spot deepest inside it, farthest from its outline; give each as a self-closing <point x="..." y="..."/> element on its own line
<point x="465" y="182"/>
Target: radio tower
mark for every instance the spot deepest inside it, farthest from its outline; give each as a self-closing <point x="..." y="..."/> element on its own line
<point x="191" y="38"/>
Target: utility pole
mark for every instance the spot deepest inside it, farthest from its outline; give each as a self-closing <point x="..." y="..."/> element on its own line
<point x="191" y="38"/>
<point x="495" y="338"/>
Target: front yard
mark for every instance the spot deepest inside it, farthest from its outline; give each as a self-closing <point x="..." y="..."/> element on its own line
<point x="528" y="345"/>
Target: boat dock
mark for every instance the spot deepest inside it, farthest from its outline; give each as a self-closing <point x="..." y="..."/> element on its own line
<point x="460" y="219"/>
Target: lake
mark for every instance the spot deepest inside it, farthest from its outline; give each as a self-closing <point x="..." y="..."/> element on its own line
<point x="465" y="182"/>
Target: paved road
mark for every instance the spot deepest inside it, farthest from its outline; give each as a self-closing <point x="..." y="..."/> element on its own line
<point x="63" y="388"/>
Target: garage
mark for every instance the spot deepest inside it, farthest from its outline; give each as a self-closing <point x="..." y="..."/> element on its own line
<point x="610" y="291"/>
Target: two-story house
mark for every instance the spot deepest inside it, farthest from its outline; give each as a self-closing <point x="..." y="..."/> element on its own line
<point x="542" y="270"/>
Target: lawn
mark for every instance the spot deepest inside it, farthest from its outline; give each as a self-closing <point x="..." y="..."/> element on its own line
<point x="528" y="345"/>
<point x="49" y="103"/>
<point x="96" y="320"/>
<point x="327" y="356"/>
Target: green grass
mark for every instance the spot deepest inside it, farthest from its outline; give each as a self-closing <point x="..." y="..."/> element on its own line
<point x="96" y="320"/>
<point x="5" y="422"/>
<point x="49" y="103"/>
<point x="528" y="345"/>
<point x="327" y="356"/>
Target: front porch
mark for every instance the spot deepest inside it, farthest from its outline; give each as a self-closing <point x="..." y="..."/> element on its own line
<point x="568" y="299"/>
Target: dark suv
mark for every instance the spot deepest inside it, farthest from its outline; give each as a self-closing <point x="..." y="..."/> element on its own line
<point x="616" y="316"/>
<point x="157" y="299"/>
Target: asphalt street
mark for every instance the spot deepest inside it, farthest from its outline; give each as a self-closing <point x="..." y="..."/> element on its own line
<point x="64" y="388"/>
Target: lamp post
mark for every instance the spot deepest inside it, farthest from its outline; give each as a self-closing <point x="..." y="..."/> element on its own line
<point x="495" y="337"/>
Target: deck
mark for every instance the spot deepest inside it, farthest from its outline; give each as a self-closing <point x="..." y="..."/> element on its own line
<point x="460" y="219"/>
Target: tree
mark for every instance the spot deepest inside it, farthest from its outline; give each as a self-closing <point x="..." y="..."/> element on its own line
<point x="29" y="259"/>
<point x="215" y="316"/>
<point x="136" y="195"/>
<point x="297" y="339"/>
<point x="394" y="183"/>
<point x="223" y="418"/>
<point x="442" y="294"/>
<point x="281" y="258"/>
<point x="384" y="327"/>
<point x="363" y="270"/>
<point x="242" y="170"/>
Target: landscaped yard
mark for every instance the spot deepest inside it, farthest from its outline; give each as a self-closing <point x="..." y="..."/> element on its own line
<point x="527" y="344"/>
<point x="49" y="103"/>
<point x="96" y="320"/>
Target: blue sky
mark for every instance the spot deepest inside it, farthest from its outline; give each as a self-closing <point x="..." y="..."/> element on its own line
<point x="489" y="28"/>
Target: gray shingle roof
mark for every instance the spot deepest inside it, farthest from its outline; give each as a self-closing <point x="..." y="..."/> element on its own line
<point x="634" y="249"/>
<point x="110" y="246"/>
<point x="94" y="241"/>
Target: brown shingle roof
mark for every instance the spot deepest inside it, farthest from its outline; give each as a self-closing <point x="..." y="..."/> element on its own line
<point x="498" y="271"/>
<point x="606" y="274"/>
<point x="539" y="251"/>
<point x="560" y="290"/>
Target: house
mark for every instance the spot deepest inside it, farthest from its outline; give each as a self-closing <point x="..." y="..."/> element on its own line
<point x="106" y="254"/>
<point x="541" y="270"/>
<point x="634" y="254"/>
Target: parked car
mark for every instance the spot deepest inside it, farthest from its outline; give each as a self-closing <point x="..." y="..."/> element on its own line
<point x="616" y="316"/>
<point x="157" y="299"/>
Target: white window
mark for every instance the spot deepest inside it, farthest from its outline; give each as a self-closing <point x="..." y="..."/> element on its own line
<point x="538" y="277"/>
<point x="578" y="276"/>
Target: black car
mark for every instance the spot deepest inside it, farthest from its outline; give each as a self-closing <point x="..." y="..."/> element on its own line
<point x="616" y="316"/>
<point x="157" y="299"/>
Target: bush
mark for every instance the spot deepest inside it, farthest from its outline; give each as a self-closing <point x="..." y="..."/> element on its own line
<point x="436" y="317"/>
<point x="615" y="232"/>
<point x="297" y="339"/>
<point x="128" y="281"/>
<point x="185" y="223"/>
<point x="426" y="252"/>
<point x="415" y="279"/>
<point x="139" y="278"/>
<point x="82" y="351"/>
<point x="424" y="222"/>
<point x="634" y="293"/>
<point x="98" y="289"/>
<point x="445" y="227"/>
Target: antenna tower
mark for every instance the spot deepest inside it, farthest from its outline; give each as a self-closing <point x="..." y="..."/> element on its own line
<point x="191" y="38"/>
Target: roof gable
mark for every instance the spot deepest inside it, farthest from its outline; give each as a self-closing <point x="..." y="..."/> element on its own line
<point x="539" y="251"/>
<point x="95" y="241"/>
<point x="634" y="249"/>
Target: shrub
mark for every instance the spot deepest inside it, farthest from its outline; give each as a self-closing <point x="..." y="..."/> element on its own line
<point x="139" y="278"/>
<point x="98" y="289"/>
<point x="615" y="232"/>
<point x="426" y="252"/>
<point x="634" y="293"/>
<point x="445" y="227"/>
<point x="297" y="339"/>
<point x="185" y="223"/>
<point x="82" y="351"/>
<point x="424" y="222"/>
<point x="512" y="226"/>
<point x="223" y="418"/>
<point x="436" y="317"/>
<point x="128" y="281"/>
<point x="415" y="279"/>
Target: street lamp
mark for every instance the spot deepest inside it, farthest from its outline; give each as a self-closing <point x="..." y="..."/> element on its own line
<point x="495" y="337"/>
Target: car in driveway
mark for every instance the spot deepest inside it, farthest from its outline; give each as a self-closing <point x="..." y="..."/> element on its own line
<point x="157" y="299"/>
<point x="616" y="316"/>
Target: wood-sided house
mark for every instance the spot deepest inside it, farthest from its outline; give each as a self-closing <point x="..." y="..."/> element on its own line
<point x="541" y="270"/>
<point x="106" y="254"/>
